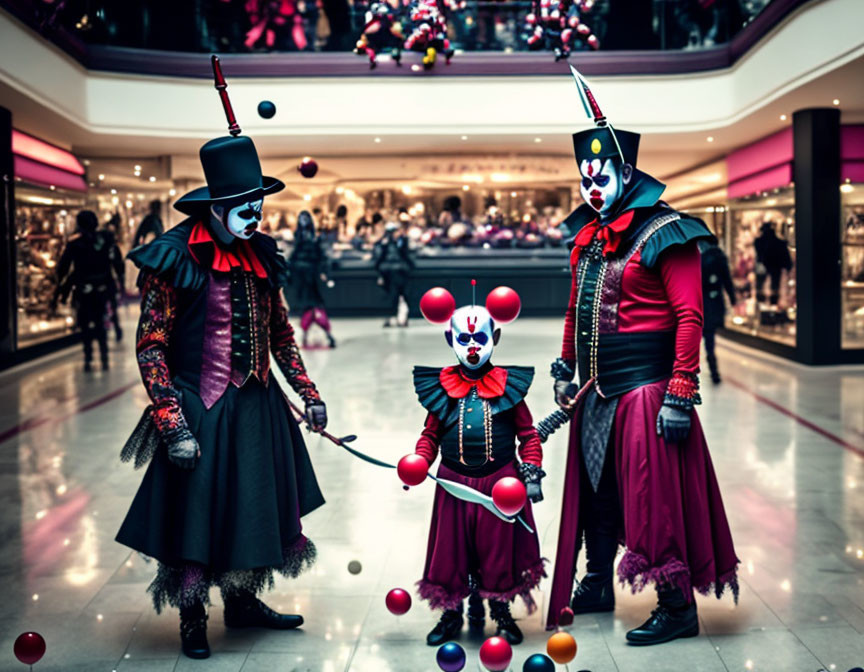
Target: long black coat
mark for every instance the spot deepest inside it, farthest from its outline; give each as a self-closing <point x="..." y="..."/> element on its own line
<point x="716" y="279"/>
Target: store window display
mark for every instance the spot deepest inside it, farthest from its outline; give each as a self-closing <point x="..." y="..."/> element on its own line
<point x="762" y="258"/>
<point x="852" y="241"/>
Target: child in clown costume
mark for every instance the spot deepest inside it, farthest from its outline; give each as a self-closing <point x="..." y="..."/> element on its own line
<point x="476" y="415"/>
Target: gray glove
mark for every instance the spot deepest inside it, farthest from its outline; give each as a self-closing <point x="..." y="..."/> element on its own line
<point x="316" y="414"/>
<point x="564" y="393"/>
<point x="183" y="450"/>
<point x="531" y="476"/>
<point x="673" y="424"/>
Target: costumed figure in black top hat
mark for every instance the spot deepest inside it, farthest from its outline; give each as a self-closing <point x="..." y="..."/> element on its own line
<point x="229" y="477"/>
<point x="308" y="265"/>
<point x="476" y="416"/>
<point x="638" y="468"/>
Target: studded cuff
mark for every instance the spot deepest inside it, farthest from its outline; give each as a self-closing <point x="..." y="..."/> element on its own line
<point x="683" y="391"/>
<point x="563" y="369"/>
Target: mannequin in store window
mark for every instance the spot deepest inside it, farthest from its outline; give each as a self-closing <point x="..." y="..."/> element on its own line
<point x="638" y="467"/>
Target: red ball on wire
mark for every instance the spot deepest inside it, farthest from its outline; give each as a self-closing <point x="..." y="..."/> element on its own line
<point x="29" y="647"/>
<point x="308" y="167"/>
<point x="398" y="601"/>
<point x="496" y="654"/>
<point x="412" y="469"/>
<point x="509" y="495"/>
<point x="437" y="305"/>
<point x="503" y="304"/>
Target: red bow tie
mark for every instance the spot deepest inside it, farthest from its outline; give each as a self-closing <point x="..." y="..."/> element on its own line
<point x="609" y="233"/>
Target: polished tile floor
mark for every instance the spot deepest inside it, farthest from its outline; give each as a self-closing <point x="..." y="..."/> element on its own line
<point x="787" y="442"/>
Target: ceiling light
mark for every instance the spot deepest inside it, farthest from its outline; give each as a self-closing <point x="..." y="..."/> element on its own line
<point x="113" y="191"/>
<point x="101" y="176"/>
<point x="538" y="139"/>
<point x="783" y="117"/>
<point x="138" y="168"/>
<point x="377" y="139"/>
<point x="464" y="137"/>
<point x="172" y="192"/>
<point x="847" y="188"/>
<point x="710" y="138"/>
<point x="836" y="102"/>
<point x="152" y="179"/>
<point x="465" y="187"/>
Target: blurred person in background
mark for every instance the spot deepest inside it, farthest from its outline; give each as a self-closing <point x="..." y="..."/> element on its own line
<point x="716" y="279"/>
<point x="308" y="264"/>
<point x="84" y="270"/>
<point x="118" y="274"/>
<point x="150" y="227"/>
<point x="772" y="258"/>
<point x="394" y="264"/>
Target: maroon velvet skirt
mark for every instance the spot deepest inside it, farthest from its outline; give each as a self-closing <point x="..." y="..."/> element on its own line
<point x="467" y="540"/>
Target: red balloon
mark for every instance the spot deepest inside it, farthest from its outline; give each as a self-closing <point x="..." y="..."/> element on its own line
<point x="496" y="654"/>
<point x="398" y="601"/>
<point x="412" y="469"/>
<point x="503" y="304"/>
<point x="509" y="495"/>
<point x="29" y="647"/>
<point x="308" y="167"/>
<point x="437" y="305"/>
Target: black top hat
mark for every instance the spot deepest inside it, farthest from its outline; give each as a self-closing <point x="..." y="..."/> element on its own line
<point x="598" y="143"/>
<point x="233" y="171"/>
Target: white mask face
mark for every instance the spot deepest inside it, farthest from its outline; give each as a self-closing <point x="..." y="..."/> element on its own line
<point x="602" y="184"/>
<point x="242" y="220"/>
<point x="471" y="336"/>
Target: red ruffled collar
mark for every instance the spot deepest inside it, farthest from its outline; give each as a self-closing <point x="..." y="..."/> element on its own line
<point x="457" y="385"/>
<point x="610" y="233"/>
<point x="240" y="256"/>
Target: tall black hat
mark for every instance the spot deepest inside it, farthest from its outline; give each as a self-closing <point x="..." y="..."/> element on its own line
<point x="231" y="165"/>
<point x="603" y="141"/>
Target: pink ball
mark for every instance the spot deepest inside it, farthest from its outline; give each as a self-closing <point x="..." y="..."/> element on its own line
<point x="398" y="601"/>
<point x="412" y="469"/>
<point x="503" y="304"/>
<point x="308" y="167"/>
<point x="437" y="305"/>
<point x="593" y="42"/>
<point x="509" y="495"/>
<point x="496" y="654"/>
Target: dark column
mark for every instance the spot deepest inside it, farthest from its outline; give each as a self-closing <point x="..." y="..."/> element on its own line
<point x="817" y="236"/>
<point x="8" y="299"/>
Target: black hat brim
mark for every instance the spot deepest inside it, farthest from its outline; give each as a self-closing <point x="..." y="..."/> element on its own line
<point x="197" y="198"/>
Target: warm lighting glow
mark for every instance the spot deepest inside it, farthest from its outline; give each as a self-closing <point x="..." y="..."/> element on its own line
<point x="129" y="204"/>
<point x="33" y="148"/>
<point x="538" y="139"/>
<point x="786" y="585"/>
<point x="61" y="489"/>
<point x="113" y="191"/>
<point x="710" y="138"/>
<point x="465" y="187"/>
<point x="464" y="137"/>
<point x="847" y="188"/>
<point x="152" y="179"/>
<point x="783" y="117"/>
<point x="307" y="197"/>
<point x="377" y="139"/>
<point x="836" y="102"/>
<point x="499" y="177"/>
<point x="35" y="597"/>
<point x="41" y="514"/>
<point x="406" y="189"/>
<point x="101" y="176"/>
<point x="172" y="192"/>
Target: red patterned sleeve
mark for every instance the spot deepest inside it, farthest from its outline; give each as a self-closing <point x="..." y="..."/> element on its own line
<point x="430" y="439"/>
<point x="568" y="347"/>
<point x="681" y="272"/>
<point x="287" y="354"/>
<point x="158" y="311"/>
<point x="530" y="448"/>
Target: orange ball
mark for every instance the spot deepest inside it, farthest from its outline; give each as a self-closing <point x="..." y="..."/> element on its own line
<point x="561" y="648"/>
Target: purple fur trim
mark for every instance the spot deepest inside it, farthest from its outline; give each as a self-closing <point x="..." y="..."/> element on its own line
<point x="635" y="570"/>
<point x="531" y="578"/>
<point x="439" y="597"/>
<point x="718" y="587"/>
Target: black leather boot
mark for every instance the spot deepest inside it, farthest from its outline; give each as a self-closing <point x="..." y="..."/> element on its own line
<point x="673" y="618"/>
<point x="193" y="632"/>
<point x="448" y="627"/>
<point x="594" y="594"/>
<point x="244" y="610"/>
<point x="476" y="612"/>
<point x="331" y="342"/>
<point x="507" y="628"/>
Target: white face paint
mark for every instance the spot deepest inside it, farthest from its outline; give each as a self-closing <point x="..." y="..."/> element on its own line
<point x="602" y="183"/>
<point x="472" y="336"/>
<point x="242" y="220"/>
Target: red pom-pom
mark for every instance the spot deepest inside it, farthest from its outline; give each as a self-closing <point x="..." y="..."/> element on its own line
<point x="412" y="469"/>
<point x="503" y="304"/>
<point x="496" y="654"/>
<point x="509" y="495"/>
<point x="398" y="601"/>
<point x="437" y="305"/>
<point x="308" y="167"/>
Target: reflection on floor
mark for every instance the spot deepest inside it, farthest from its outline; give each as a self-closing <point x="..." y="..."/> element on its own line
<point x="784" y="441"/>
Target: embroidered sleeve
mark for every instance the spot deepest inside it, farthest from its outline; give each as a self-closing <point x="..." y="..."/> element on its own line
<point x="430" y="439"/>
<point x="287" y="354"/>
<point x="530" y="448"/>
<point x="158" y="311"/>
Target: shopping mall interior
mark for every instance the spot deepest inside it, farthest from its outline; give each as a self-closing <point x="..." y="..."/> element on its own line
<point x="452" y="143"/>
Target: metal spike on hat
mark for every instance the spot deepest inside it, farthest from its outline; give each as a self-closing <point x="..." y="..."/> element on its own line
<point x="222" y="87"/>
<point x="592" y="108"/>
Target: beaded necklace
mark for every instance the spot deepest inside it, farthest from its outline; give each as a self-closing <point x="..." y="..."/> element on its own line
<point x="487" y="428"/>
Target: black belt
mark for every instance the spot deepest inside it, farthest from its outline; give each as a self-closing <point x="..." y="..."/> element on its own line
<point x="626" y="361"/>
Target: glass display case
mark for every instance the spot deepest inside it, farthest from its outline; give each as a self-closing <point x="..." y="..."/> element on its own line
<point x="761" y="244"/>
<point x="43" y="221"/>
<point x="852" y="246"/>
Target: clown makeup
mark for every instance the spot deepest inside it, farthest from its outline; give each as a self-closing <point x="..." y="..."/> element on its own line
<point x="603" y="182"/>
<point x="472" y="336"/>
<point x="242" y="220"/>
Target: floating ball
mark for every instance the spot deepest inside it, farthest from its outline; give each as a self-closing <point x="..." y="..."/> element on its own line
<point x="503" y="304"/>
<point x="308" y="167"/>
<point x="561" y="648"/>
<point x="593" y="42"/>
<point x="266" y="109"/>
<point x="437" y="305"/>
<point x="565" y="618"/>
<point x="354" y="567"/>
<point x="412" y="469"/>
<point x="538" y="663"/>
<point x="398" y="601"/>
<point x="29" y="647"/>
<point x="496" y="654"/>
<point x="509" y="495"/>
<point x="451" y="657"/>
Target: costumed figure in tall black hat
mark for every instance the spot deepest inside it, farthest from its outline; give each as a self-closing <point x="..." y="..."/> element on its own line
<point x="308" y="265"/>
<point x="638" y="468"/>
<point x="229" y="477"/>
